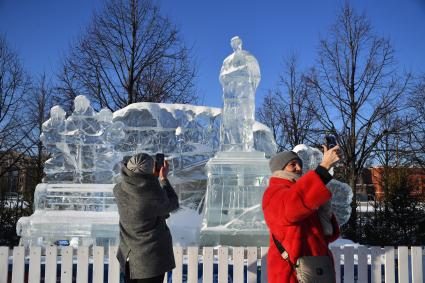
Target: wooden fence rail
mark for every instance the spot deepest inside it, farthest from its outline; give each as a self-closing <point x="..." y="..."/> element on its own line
<point x="224" y="264"/>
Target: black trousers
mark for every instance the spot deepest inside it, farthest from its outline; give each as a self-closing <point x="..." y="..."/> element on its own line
<point x="156" y="279"/>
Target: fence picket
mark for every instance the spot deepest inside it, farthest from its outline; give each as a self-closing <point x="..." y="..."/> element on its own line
<point x="66" y="266"/>
<point x="98" y="259"/>
<point x="114" y="265"/>
<point x="239" y="261"/>
<point x="362" y="265"/>
<point x="264" y="251"/>
<point x="238" y="264"/>
<point x="207" y="266"/>
<point x="376" y="263"/>
<point x="403" y="264"/>
<point x="348" y="264"/>
<point x="4" y="264"/>
<point x="251" y="276"/>
<point x="177" y="276"/>
<point x="34" y="275"/>
<point x="223" y="262"/>
<point x="389" y="265"/>
<point x="336" y="252"/>
<point x="417" y="272"/>
<point x="18" y="265"/>
<point x="82" y="264"/>
<point x="51" y="264"/>
<point x="192" y="266"/>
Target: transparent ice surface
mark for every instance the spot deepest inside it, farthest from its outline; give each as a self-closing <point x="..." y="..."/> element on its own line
<point x="341" y="192"/>
<point x="238" y="174"/>
<point x="239" y="77"/>
<point x="86" y="148"/>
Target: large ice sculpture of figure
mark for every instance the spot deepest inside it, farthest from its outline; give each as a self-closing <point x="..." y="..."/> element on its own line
<point x="239" y="77"/>
<point x="237" y="175"/>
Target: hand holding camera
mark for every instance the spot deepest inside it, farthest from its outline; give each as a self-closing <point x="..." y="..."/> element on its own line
<point x="331" y="152"/>
<point x="161" y="166"/>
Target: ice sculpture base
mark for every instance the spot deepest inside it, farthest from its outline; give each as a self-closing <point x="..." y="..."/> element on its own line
<point x="232" y="213"/>
<point x="84" y="214"/>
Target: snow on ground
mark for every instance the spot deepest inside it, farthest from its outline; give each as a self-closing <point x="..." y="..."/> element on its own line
<point x="185" y="225"/>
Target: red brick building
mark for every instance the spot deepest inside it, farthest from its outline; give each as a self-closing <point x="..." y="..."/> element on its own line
<point x="372" y="182"/>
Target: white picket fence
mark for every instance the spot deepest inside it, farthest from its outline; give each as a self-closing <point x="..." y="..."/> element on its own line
<point x="357" y="262"/>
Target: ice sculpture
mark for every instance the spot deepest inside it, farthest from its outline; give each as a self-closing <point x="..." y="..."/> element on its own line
<point x="239" y="76"/>
<point x="341" y="192"/>
<point x="76" y="201"/>
<point x="86" y="146"/>
<point x="237" y="175"/>
<point x="58" y="167"/>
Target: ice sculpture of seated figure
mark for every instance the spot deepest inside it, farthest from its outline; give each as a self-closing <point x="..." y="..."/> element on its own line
<point x="341" y="192"/>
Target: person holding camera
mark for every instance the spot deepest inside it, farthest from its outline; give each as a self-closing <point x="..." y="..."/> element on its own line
<point x="297" y="211"/>
<point x="145" y="250"/>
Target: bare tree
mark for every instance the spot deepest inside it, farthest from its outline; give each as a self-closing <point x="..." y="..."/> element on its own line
<point x="129" y="53"/>
<point x="357" y="86"/>
<point x="38" y="112"/>
<point x="288" y="110"/>
<point x="416" y="137"/>
<point x="13" y="127"/>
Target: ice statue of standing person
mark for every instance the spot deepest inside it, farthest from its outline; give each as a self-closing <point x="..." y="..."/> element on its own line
<point x="82" y="130"/>
<point x="239" y="77"/>
<point x="52" y="138"/>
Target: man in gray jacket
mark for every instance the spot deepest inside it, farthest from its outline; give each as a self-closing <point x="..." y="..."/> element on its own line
<point x="146" y="250"/>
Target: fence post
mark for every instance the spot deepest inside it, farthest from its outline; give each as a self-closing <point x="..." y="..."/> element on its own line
<point x="223" y="264"/>
<point x="417" y="272"/>
<point x="403" y="264"/>
<point x="348" y="264"/>
<point x="98" y="261"/>
<point x="252" y="265"/>
<point x="362" y="264"/>
<point x="389" y="265"/>
<point x="207" y="266"/>
<point x="4" y="264"/>
<point x="238" y="264"/>
<point x="114" y="266"/>
<point x="18" y="265"/>
<point x="177" y="275"/>
<point x="34" y="275"/>
<point x="66" y="266"/>
<point x="82" y="264"/>
<point x="375" y="254"/>
<point x="192" y="266"/>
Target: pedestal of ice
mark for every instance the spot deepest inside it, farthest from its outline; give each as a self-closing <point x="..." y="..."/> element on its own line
<point x="238" y="174"/>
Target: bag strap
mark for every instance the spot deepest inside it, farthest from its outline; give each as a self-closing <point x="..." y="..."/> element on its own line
<point x="283" y="252"/>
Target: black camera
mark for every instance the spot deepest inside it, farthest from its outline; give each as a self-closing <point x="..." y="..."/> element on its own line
<point x="159" y="161"/>
<point x="330" y="141"/>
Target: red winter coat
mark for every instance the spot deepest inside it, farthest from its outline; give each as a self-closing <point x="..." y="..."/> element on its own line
<point x="290" y="211"/>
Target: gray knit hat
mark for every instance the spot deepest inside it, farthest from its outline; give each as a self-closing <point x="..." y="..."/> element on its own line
<point x="280" y="160"/>
<point x="141" y="163"/>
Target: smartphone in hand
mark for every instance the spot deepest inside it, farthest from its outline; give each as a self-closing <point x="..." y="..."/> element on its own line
<point x="159" y="161"/>
<point x="330" y="141"/>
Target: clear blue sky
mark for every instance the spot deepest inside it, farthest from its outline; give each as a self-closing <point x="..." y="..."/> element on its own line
<point x="42" y="30"/>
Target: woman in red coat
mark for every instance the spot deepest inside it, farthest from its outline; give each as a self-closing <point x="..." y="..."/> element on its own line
<point x="297" y="211"/>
